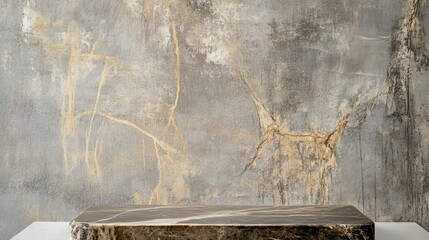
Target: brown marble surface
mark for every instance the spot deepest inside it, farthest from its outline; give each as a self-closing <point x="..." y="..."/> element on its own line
<point x="222" y="222"/>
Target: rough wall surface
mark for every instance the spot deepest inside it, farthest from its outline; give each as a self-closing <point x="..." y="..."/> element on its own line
<point x="213" y="102"/>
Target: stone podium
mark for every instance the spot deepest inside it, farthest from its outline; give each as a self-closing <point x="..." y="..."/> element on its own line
<point x="221" y="222"/>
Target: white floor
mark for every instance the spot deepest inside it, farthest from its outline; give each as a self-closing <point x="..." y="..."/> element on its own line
<point x="383" y="231"/>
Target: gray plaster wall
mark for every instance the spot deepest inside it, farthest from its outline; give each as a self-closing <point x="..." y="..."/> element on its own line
<point x="275" y="102"/>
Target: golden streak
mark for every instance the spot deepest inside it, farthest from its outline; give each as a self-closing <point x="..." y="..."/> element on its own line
<point x="100" y="85"/>
<point x="165" y="146"/>
<point x="177" y="72"/>
<point x="68" y="126"/>
<point x="171" y="118"/>
<point x="157" y="188"/>
<point x="97" y="151"/>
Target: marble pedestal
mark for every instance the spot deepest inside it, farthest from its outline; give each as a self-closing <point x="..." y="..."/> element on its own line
<point x="221" y="222"/>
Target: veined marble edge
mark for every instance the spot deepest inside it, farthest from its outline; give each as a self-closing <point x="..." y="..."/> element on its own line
<point x="141" y="224"/>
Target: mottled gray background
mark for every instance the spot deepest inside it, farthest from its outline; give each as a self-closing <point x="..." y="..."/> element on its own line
<point x="213" y="102"/>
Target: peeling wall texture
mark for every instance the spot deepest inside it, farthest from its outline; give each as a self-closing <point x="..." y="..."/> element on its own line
<point x="213" y="102"/>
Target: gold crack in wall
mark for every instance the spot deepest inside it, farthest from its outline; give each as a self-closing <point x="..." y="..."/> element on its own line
<point x="312" y="170"/>
<point x="171" y="184"/>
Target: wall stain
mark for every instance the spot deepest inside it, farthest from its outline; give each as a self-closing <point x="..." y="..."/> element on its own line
<point x="408" y="53"/>
<point x="204" y="7"/>
<point x="311" y="170"/>
<point x="409" y="58"/>
<point x="171" y="185"/>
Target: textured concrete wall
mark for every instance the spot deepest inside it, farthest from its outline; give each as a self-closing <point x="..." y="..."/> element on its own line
<point x="213" y="102"/>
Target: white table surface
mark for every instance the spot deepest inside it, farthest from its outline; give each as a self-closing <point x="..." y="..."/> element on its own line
<point x="383" y="231"/>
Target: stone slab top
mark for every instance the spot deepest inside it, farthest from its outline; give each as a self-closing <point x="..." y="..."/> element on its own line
<point x="153" y="215"/>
